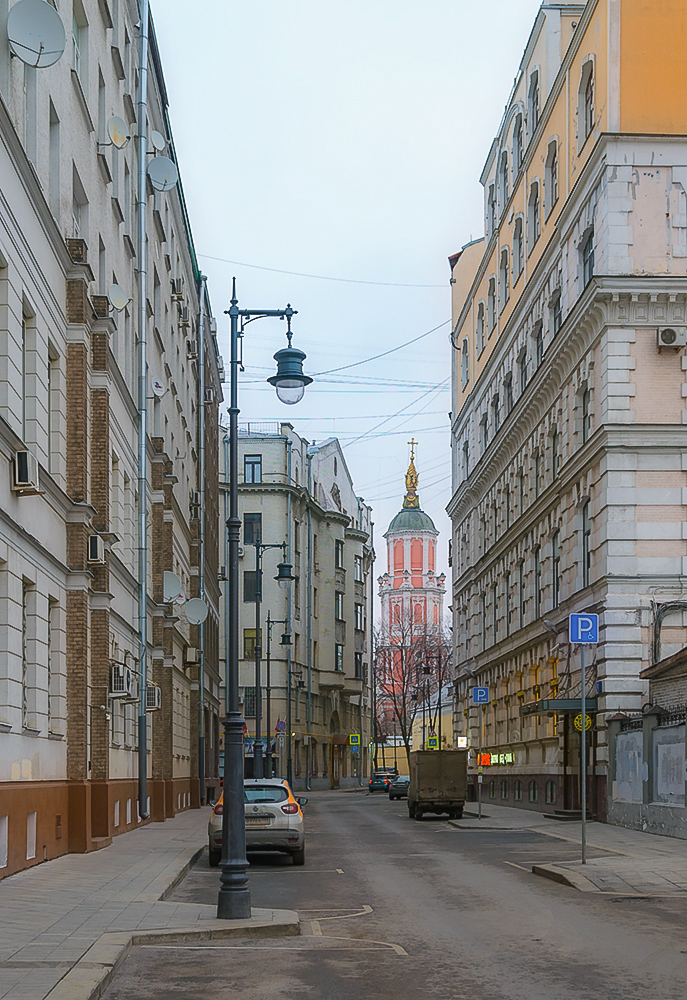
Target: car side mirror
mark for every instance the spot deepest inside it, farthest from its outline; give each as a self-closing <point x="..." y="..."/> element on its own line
<point x="302" y="801"/>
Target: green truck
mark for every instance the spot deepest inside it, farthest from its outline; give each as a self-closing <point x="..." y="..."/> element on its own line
<point x="438" y="782"/>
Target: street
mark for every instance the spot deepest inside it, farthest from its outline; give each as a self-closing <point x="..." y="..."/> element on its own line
<point x="394" y="908"/>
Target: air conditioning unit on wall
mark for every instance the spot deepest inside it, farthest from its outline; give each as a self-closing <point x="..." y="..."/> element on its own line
<point x="122" y="682"/>
<point x="25" y="472"/>
<point x="96" y="549"/>
<point x="153" y="698"/>
<point x="671" y="336"/>
<point x="191" y="655"/>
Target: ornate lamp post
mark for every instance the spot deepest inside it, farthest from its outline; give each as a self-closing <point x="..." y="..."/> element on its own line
<point x="233" y="901"/>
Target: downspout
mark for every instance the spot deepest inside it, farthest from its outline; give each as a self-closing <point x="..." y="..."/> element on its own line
<point x="201" y="539"/>
<point x="289" y="758"/>
<point x="308" y="708"/>
<point x="142" y="413"/>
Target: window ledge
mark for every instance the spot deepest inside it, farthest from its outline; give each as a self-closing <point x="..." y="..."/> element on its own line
<point x="56" y="736"/>
<point x="5" y="727"/>
<point x="82" y="100"/>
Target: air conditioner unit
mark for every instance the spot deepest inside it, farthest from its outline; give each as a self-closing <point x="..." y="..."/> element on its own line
<point x="212" y="325"/>
<point x="177" y="289"/>
<point x="305" y="741"/>
<point x="185" y="318"/>
<point x="191" y="349"/>
<point x="209" y="395"/>
<point x="153" y="698"/>
<point x="671" y="336"/>
<point x="96" y="549"/>
<point x="122" y="681"/>
<point x="191" y="655"/>
<point x="25" y="472"/>
<point x="195" y="498"/>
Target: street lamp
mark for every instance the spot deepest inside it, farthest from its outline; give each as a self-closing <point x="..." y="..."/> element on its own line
<point x="233" y="902"/>
<point x="285" y="641"/>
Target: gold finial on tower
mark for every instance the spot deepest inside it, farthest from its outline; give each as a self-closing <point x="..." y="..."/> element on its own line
<point x="411" y="498"/>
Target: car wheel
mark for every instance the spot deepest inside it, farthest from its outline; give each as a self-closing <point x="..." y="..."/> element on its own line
<point x="299" y="856"/>
<point x="418" y="814"/>
<point x="214" y="858"/>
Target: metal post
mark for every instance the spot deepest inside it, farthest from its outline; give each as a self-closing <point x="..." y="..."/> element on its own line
<point x="234" y="895"/>
<point x="479" y="766"/>
<point x="289" y="758"/>
<point x="257" y="745"/>
<point x="142" y="263"/>
<point x="583" y="759"/>
<point x="268" y="719"/>
<point x="201" y="538"/>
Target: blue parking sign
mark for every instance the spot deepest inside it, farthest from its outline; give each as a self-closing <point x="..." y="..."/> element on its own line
<point x="480" y="696"/>
<point x="584" y="629"/>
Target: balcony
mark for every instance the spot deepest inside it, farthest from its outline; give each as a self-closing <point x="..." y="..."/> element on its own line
<point x="353" y="685"/>
<point x="332" y="680"/>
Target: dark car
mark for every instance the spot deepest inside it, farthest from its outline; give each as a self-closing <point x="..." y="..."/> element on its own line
<point x="398" y="789"/>
<point x="379" y="782"/>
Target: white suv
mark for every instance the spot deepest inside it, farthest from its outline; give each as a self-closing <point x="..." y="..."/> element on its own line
<point x="274" y="820"/>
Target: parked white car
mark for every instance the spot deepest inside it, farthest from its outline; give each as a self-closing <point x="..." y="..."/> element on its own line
<point x="274" y="820"/>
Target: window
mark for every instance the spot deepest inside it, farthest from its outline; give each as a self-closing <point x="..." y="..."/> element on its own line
<point x="26" y="714"/>
<point x="249" y="586"/>
<point x="495" y="611"/>
<point x="54" y="164"/>
<point x="506" y="506"/>
<point x="517" y="790"/>
<point x="533" y="791"/>
<point x="492" y="789"/>
<point x="465" y="363"/>
<point x="360" y="617"/>
<point x="314" y="602"/>
<point x="521" y="594"/>
<point x="504" y="788"/>
<point x="249" y="643"/>
<point x="556" y="314"/>
<point x="504" y="290"/>
<point x="586" y="415"/>
<point x="585" y="104"/>
<point x="537" y="474"/>
<point x="508" y="391"/>
<point x="466" y="459"/>
<point x="533" y="102"/>
<point x="479" y="338"/>
<point x="509" y="609"/>
<point x="517" y="144"/>
<point x="537" y="582"/>
<point x="589" y="105"/>
<point x="252" y="528"/>
<point x="551" y="176"/>
<point x="586" y="545"/>
<point x="523" y="492"/>
<point x="53" y="611"/>
<point x="80" y="43"/>
<point x="522" y="365"/>
<point x="550" y="793"/>
<point x="539" y="344"/>
<point x="339" y="554"/>
<point x="533" y="222"/>
<point x="338" y="656"/>
<point x="503" y="180"/>
<point x="358" y="574"/>
<point x="484" y="621"/>
<point x="518" y="255"/>
<point x="588" y="258"/>
<point x="491" y="210"/>
<point x="339" y="606"/>
<point x="252" y="468"/>
<point x="496" y="413"/>
<point x="358" y="662"/>
<point x="491" y="304"/>
<point x="555" y="453"/>
<point x="556" y="569"/>
<point x="484" y="432"/>
<point x="249" y="702"/>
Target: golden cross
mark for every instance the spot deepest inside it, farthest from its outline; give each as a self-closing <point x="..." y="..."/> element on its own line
<point x="413" y="445"/>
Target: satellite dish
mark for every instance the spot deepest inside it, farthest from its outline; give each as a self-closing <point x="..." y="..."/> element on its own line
<point x="163" y="173"/>
<point x="118" y="297"/>
<point x="158" y="387"/>
<point x="171" y="588"/>
<point x="36" y="33"/>
<point x="118" y="131"/>
<point x="158" y="140"/>
<point x="196" y="611"/>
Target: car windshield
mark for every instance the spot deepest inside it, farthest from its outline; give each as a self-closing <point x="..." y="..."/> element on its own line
<point x="402" y="780"/>
<point x="265" y="793"/>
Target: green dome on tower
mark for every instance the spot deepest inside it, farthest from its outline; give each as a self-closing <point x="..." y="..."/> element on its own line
<point x="412" y="519"/>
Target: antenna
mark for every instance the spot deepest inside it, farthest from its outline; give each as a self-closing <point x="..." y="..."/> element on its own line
<point x="196" y="611"/>
<point x="158" y="387"/>
<point x="118" y="297"/>
<point x="158" y="140"/>
<point x="35" y="33"/>
<point x="163" y="173"/>
<point x="118" y="132"/>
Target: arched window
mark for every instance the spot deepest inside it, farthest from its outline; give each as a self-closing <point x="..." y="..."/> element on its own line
<point x="418" y="612"/>
<point x="466" y="459"/>
<point x="496" y="412"/>
<point x="491" y="210"/>
<point x="533" y="791"/>
<point x="518" y="255"/>
<point x="551" y="176"/>
<point x="465" y="363"/>
<point x="479" y="332"/>
<point x="585" y="103"/>
<point x="517" y="145"/>
<point x="555" y="453"/>
<point x="539" y="344"/>
<point x="587" y="254"/>
<point x="586" y="545"/>
<point x="504" y="788"/>
<point x="533" y="102"/>
<point x="492" y="789"/>
<point x="537" y="582"/>
<point x="517" y="790"/>
<point x="556" y="568"/>
<point x="504" y="290"/>
<point x="503" y="180"/>
<point x="586" y="414"/>
<point x="491" y="304"/>
<point x="533" y="221"/>
<point x="550" y="792"/>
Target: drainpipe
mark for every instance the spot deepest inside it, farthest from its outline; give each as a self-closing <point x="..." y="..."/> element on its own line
<point x="142" y="414"/>
<point x="289" y="758"/>
<point x="201" y="540"/>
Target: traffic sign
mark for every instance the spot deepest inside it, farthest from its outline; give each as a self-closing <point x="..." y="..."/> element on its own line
<point x="480" y="696"/>
<point x="355" y="747"/>
<point x="584" y="629"/>
<point x="432" y="742"/>
<point x="578" y="722"/>
<point x="280" y="727"/>
<point x="354" y="740"/>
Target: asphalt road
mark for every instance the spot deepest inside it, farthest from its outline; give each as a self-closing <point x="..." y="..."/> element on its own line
<point x="393" y="908"/>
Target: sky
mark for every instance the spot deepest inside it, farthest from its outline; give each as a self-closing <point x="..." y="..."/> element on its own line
<point x="343" y="142"/>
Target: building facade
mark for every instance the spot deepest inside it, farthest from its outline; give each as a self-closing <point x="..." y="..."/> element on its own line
<point x="302" y="495"/>
<point x="70" y="414"/>
<point x="569" y="462"/>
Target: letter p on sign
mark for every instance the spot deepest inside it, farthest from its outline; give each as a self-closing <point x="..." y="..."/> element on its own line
<point x="584" y="629"/>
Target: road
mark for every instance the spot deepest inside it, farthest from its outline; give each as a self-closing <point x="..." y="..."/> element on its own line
<point x="411" y="910"/>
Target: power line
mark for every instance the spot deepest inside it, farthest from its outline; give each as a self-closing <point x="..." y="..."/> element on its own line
<point x="384" y="355"/>
<point x="319" y="277"/>
<point x="398" y="413"/>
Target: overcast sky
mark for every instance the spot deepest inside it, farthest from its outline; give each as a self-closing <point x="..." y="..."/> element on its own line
<point x="343" y="140"/>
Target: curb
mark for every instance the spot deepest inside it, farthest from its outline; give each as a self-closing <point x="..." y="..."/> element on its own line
<point x="95" y="970"/>
<point x="573" y="879"/>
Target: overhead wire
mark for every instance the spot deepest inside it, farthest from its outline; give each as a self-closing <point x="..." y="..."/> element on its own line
<point x="385" y="353"/>
<point x="319" y="277"/>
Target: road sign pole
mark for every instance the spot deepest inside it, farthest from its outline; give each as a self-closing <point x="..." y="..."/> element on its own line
<point x="583" y="760"/>
<point x="479" y="767"/>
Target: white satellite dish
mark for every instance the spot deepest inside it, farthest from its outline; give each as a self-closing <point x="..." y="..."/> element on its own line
<point x="158" y="140"/>
<point x="171" y="588"/>
<point x="158" y="387"/>
<point x="163" y="173"/>
<point x="118" y="297"/>
<point x="118" y="131"/>
<point x="196" y="610"/>
<point x="36" y="33"/>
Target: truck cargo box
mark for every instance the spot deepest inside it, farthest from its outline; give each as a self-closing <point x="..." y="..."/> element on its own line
<point x="438" y="782"/>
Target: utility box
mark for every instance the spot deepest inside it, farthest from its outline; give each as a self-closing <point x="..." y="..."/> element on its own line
<point x="438" y="782"/>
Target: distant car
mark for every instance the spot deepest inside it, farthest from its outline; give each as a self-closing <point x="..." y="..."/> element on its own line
<point x="274" y="820"/>
<point x="379" y="782"/>
<point x="398" y="789"/>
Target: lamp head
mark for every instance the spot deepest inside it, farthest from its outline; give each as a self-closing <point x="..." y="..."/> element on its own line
<point x="290" y="380"/>
<point x="285" y="639"/>
<point x="284" y="575"/>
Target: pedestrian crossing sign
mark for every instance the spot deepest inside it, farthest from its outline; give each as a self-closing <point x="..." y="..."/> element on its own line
<point x="432" y="742"/>
<point x="354" y="739"/>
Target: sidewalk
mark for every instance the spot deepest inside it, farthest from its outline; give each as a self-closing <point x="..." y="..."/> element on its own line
<point x="67" y="924"/>
<point x="641" y="864"/>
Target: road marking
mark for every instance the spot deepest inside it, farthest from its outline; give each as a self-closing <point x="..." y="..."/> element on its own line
<point x="522" y="869"/>
<point x="316" y="929"/>
<point x="301" y="871"/>
<point x="355" y="945"/>
<point x="344" y="916"/>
